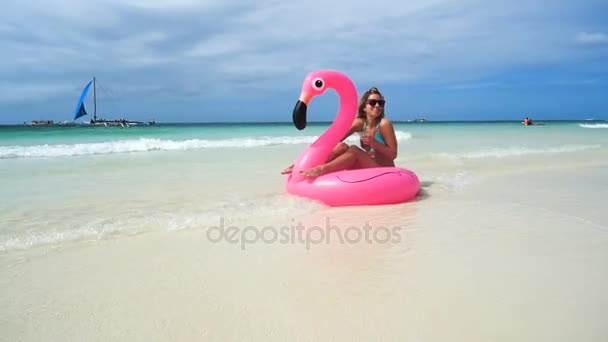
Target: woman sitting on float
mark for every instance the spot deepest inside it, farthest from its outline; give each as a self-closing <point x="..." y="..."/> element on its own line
<point x="377" y="140"/>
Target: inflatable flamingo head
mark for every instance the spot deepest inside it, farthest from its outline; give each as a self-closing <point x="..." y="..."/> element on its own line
<point x="315" y="84"/>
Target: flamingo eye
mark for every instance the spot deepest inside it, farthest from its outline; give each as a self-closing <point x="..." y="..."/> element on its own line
<point x="318" y="83"/>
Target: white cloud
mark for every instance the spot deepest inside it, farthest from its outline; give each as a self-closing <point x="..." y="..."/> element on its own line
<point x="219" y="45"/>
<point x="167" y="5"/>
<point x="388" y="41"/>
<point x="192" y="45"/>
<point x="594" y="38"/>
<point x="10" y="92"/>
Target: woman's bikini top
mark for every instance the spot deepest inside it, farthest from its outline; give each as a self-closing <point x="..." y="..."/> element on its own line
<point x="378" y="135"/>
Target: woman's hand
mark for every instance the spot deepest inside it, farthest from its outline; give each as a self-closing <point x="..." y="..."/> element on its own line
<point x="367" y="140"/>
<point x="369" y="137"/>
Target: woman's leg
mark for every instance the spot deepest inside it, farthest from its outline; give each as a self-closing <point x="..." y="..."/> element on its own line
<point x="353" y="158"/>
<point x="340" y="149"/>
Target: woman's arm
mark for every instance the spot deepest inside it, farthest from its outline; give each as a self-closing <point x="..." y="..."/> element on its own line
<point x="355" y="127"/>
<point x="388" y="133"/>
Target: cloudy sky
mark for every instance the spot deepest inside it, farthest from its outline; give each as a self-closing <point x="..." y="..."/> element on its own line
<point x="228" y="60"/>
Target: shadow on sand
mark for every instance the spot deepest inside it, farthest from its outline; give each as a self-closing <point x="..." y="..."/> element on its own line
<point x="424" y="193"/>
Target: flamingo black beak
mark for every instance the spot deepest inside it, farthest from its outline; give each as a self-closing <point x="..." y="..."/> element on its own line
<point x="299" y="111"/>
<point x="299" y="115"/>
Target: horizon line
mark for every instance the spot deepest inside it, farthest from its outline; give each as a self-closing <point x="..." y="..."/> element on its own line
<point x="415" y="121"/>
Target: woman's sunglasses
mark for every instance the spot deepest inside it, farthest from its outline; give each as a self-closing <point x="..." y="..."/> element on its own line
<point x="373" y="103"/>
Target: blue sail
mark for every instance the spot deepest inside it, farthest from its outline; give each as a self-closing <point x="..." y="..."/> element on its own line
<point x="80" y="111"/>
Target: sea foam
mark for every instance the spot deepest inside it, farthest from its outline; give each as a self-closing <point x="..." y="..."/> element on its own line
<point x="597" y="125"/>
<point x="268" y="209"/>
<point x="147" y="144"/>
<point x="515" y="151"/>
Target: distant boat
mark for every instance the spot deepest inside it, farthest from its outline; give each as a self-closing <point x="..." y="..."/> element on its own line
<point x="41" y="123"/>
<point x="48" y="123"/>
<point x="81" y="111"/>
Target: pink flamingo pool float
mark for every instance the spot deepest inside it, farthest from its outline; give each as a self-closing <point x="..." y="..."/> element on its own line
<point x="371" y="186"/>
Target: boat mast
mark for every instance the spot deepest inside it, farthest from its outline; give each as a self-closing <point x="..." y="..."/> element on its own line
<point x="94" y="101"/>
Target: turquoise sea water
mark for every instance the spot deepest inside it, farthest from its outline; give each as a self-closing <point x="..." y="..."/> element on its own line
<point x="24" y="142"/>
<point x="66" y="184"/>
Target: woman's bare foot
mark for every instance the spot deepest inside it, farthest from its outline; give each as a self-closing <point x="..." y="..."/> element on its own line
<point x="287" y="170"/>
<point x="314" y="172"/>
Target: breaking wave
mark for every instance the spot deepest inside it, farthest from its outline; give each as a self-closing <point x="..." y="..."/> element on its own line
<point x="148" y="144"/>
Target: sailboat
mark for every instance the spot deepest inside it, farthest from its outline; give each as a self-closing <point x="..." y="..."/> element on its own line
<point x="95" y="121"/>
